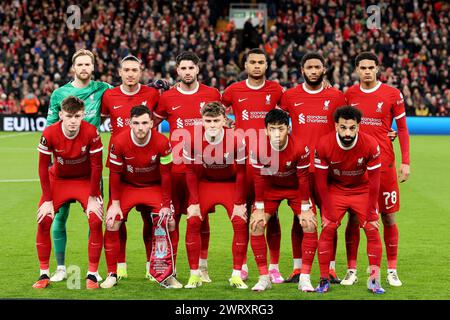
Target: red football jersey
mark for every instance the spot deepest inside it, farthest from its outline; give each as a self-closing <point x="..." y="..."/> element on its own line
<point x="216" y="162"/>
<point x="250" y="104"/>
<point x="71" y="156"/>
<point x="117" y="103"/>
<point x="379" y="106"/>
<point x="311" y="113"/>
<point x="182" y="110"/>
<point x="282" y="168"/>
<point x="138" y="164"/>
<point x="347" y="166"/>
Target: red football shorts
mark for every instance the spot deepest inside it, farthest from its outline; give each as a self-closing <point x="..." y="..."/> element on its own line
<point x="343" y="201"/>
<point x="389" y="199"/>
<point x="65" y="190"/>
<point x="274" y="196"/>
<point x="213" y="193"/>
<point x="149" y="198"/>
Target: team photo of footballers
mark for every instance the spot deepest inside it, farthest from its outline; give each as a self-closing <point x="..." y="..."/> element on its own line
<point x="241" y="182"/>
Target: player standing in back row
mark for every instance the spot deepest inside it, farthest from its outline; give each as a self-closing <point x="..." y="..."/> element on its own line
<point x="380" y="105"/>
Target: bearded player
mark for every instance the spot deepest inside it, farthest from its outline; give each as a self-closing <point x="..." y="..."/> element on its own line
<point x="90" y="92"/>
<point x="250" y="100"/>
<point x="380" y="104"/>
<point x="311" y="106"/>
<point x="117" y="104"/>
<point x="76" y="148"/>
<point x="180" y="106"/>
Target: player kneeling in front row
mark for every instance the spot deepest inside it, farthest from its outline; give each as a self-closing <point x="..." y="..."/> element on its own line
<point x="281" y="172"/>
<point x="215" y="174"/>
<point x="75" y="175"/>
<point x="342" y="160"/>
<point x="140" y="163"/>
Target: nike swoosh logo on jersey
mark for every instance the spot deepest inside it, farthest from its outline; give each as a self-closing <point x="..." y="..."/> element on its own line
<point x="240" y="100"/>
<point x="116" y="107"/>
<point x="59" y="150"/>
<point x="175" y="108"/>
<point x="354" y="104"/>
<point x="388" y="207"/>
<point x="298" y="104"/>
<point x="335" y="162"/>
<point x="129" y="158"/>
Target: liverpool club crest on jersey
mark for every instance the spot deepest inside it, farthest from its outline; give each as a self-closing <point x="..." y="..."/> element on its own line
<point x="326" y="105"/>
<point x="379" y="106"/>
<point x="268" y="99"/>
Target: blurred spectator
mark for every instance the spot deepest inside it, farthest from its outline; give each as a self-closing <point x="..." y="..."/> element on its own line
<point x="30" y="105"/>
<point x="412" y="43"/>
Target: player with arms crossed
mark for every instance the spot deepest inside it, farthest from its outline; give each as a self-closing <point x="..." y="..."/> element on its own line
<point x="180" y="106"/>
<point x="250" y="100"/>
<point x="75" y="175"/>
<point x="380" y="105"/>
<point x="282" y="173"/>
<point x="215" y="174"/>
<point x="311" y="106"/>
<point x="90" y="92"/>
<point x="348" y="179"/>
<point x="140" y="163"/>
<point x="117" y="104"/>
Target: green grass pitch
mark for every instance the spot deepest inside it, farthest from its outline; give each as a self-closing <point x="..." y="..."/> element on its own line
<point x="424" y="250"/>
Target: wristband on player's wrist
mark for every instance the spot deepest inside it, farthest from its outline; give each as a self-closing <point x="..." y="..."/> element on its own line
<point x="259" y="205"/>
<point x="306" y="207"/>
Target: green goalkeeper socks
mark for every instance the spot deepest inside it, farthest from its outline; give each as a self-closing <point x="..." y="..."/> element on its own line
<point x="59" y="233"/>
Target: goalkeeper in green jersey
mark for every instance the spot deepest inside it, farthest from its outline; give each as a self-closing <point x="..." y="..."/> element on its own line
<point x="91" y="93"/>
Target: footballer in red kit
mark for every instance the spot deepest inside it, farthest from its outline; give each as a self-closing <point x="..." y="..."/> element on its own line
<point x="117" y="104"/>
<point x="348" y="178"/>
<point x="215" y="174"/>
<point x="76" y="148"/>
<point x="380" y="104"/>
<point x="281" y="172"/>
<point x="250" y="100"/>
<point x="311" y="106"/>
<point x="180" y="106"/>
<point x="140" y="164"/>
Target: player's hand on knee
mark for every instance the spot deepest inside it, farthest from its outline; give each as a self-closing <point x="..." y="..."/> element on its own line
<point x="403" y="172"/>
<point x="240" y="210"/>
<point x="194" y="211"/>
<point x="308" y="219"/>
<point x="165" y="211"/>
<point x="257" y="221"/>
<point x="95" y="205"/>
<point x="113" y="211"/>
<point x="374" y="224"/>
<point x="45" y="209"/>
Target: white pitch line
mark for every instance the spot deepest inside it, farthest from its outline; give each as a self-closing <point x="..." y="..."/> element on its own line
<point x="27" y="180"/>
<point x="16" y="135"/>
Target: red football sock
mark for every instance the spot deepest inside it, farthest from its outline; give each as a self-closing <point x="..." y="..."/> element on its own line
<point x="273" y="235"/>
<point x="352" y="236"/>
<point x="325" y="249"/>
<point x="309" y="247"/>
<point x="205" y="238"/>
<point x="296" y="239"/>
<point x="123" y="243"/>
<point x="193" y="241"/>
<point x="240" y="242"/>
<point x="43" y="242"/>
<point x="112" y="247"/>
<point x="147" y="231"/>
<point x="374" y="246"/>
<point x="95" y="242"/>
<point x="335" y="240"/>
<point x="258" y="244"/>
<point x="175" y="237"/>
<point x="391" y="243"/>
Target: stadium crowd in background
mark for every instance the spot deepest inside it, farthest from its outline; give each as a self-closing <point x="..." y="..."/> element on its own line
<point x="412" y="44"/>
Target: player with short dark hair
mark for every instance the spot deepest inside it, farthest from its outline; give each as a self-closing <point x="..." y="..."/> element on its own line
<point x="180" y="106"/>
<point x="311" y="106"/>
<point x="117" y="104"/>
<point x="215" y="174"/>
<point x="380" y="104"/>
<point x="281" y="166"/>
<point x="250" y="100"/>
<point x="75" y="175"/>
<point x="140" y="164"/>
<point x="348" y="178"/>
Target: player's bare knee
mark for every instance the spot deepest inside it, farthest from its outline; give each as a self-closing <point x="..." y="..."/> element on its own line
<point x="115" y="227"/>
<point x="259" y="230"/>
<point x="309" y="229"/>
<point x="388" y="219"/>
